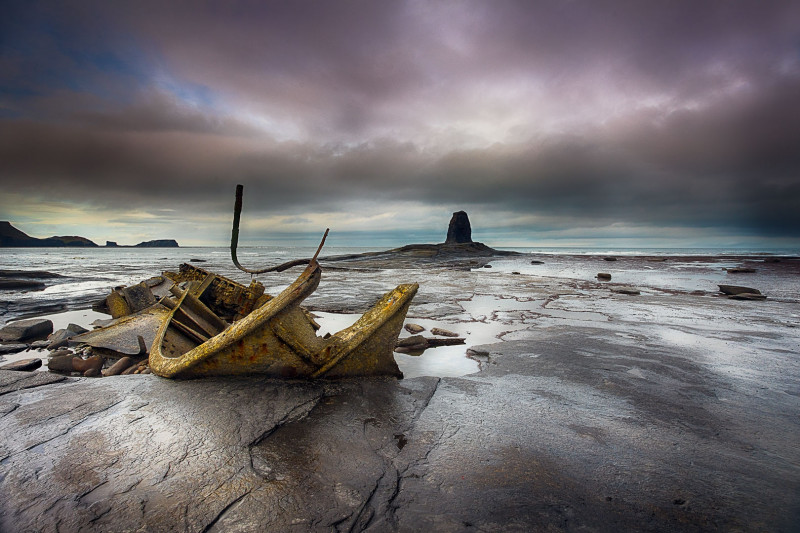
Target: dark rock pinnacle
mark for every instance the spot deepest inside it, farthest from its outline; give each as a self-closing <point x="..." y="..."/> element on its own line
<point x="459" y="230"/>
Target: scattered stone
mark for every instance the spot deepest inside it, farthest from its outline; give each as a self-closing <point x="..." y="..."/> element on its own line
<point x="198" y="261"/>
<point x="515" y="273"/>
<point x="130" y="370"/>
<point x="26" y="329"/>
<point x="84" y="365"/>
<point x="40" y="345"/>
<point x="537" y="262"/>
<point x="415" y="342"/>
<point x="740" y="270"/>
<point x="12" y="348"/>
<point x="487" y="266"/>
<point x="60" y="352"/>
<point x="443" y="332"/>
<point x="737" y="289"/>
<point x="118" y="367"/>
<point x="625" y="290"/>
<point x="610" y="258"/>
<point x="25" y="365"/>
<point x="61" y="364"/>
<point x="604" y="276"/>
<point x="93" y="372"/>
<point x="414" y="328"/>
<point x="747" y="296"/>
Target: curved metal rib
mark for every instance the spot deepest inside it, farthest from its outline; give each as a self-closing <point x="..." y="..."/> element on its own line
<point x="237" y="213"/>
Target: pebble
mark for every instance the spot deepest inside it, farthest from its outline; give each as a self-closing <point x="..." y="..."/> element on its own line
<point x="414" y="328"/>
<point x="443" y="332"/>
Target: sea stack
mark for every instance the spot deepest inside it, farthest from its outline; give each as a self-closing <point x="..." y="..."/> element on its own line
<point x="459" y="230"/>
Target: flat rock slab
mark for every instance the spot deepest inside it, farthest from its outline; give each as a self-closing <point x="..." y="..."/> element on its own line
<point x="23" y="365"/>
<point x="11" y="381"/>
<point x="576" y="429"/>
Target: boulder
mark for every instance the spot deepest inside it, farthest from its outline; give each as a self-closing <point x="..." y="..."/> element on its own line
<point x="459" y="230"/>
<point x="737" y="289"/>
<point x="24" y="365"/>
<point x="26" y="329"/>
<point x="604" y="276"/>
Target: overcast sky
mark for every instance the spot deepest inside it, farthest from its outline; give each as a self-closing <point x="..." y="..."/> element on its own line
<point x="673" y="123"/>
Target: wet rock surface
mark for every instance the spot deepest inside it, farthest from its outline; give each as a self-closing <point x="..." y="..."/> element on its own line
<point x="675" y="410"/>
<point x="568" y="427"/>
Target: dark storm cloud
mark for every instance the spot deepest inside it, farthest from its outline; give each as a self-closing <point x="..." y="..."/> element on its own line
<point x="669" y="113"/>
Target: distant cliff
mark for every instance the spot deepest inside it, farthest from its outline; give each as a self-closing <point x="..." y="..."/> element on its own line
<point x="11" y="237"/>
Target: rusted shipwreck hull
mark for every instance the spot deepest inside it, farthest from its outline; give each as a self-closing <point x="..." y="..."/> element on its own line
<point x="278" y="338"/>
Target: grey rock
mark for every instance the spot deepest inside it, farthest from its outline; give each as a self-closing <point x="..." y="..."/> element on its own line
<point x="747" y="296"/>
<point x="15" y="347"/>
<point x="626" y="290"/>
<point x="40" y="345"/>
<point x="26" y="329"/>
<point x="415" y="342"/>
<point x="15" y="382"/>
<point x="737" y="289"/>
<point x="60" y="337"/>
<point x="537" y="262"/>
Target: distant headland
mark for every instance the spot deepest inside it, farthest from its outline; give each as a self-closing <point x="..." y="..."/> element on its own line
<point x="11" y="237"/>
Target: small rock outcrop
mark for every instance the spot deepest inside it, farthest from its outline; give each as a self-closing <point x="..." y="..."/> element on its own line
<point x="459" y="231"/>
<point x="159" y="243"/>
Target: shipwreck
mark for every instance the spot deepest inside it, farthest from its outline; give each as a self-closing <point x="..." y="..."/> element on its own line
<point x="195" y="323"/>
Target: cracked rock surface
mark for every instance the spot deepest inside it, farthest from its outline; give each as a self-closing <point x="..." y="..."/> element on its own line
<point x="622" y="433"/>
<point x="672" y="410"/>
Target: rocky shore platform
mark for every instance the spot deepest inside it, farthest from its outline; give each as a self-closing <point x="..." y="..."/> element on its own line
<point x="665" y="410"/>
